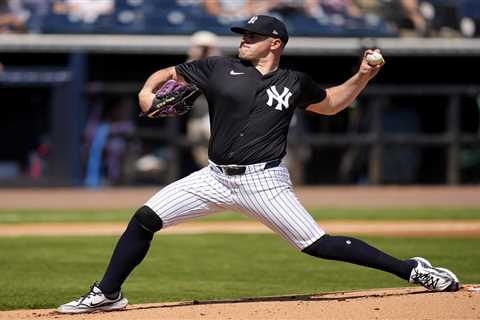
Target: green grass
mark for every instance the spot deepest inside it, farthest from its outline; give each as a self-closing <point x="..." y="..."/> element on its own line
<point x="43" y="272"/>
<point x="46" y="216"/>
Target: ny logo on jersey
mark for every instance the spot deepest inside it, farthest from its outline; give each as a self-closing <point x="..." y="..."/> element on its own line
<point x="282" y="99"/>
<point x="252" y="20"/>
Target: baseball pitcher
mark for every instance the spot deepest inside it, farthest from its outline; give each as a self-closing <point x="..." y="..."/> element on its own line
<point x="251" y="103"/>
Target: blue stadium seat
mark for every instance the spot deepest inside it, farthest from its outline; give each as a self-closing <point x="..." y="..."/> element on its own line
<point x="129" y="17"/>
<point x="61" y="24"/>
<point x="469" y="8"/>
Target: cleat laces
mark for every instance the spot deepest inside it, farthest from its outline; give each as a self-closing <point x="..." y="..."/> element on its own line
<point x="90" y="293"/>
<point x="427" y="280"/>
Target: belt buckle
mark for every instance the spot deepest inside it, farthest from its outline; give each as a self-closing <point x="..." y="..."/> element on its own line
<point x="234" y="171"/>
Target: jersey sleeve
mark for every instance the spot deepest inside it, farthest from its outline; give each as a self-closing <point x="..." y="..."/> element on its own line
<point x="310" y="92"/>
<point x="198" y="72"/>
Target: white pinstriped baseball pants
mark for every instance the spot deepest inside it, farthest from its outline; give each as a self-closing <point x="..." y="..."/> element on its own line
<point x="265" y="195"/>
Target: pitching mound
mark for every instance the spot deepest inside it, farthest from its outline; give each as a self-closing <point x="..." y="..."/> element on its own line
<point x="399" y="303"/>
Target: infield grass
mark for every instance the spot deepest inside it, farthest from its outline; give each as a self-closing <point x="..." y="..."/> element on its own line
<point x="50" y="216"/>
<point x="43" y="272"/>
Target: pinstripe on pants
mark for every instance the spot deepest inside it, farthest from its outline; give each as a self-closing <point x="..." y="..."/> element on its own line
<point x="265" y="195"/>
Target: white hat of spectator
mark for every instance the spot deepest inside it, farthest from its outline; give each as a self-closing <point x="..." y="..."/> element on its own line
<point x="204" y="39"/>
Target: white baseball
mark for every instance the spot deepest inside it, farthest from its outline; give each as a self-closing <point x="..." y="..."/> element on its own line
<point x="374" y="58"/>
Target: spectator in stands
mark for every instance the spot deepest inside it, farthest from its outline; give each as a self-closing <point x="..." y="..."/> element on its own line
<point x="333" y="12"/>
<point x="274" y="6"/>
<point x="204" y="44"/>
<point x="404" y="14"/>
<point x="108" y="127"/>
<point x="86" y="11"/>
<point x="412" y="12"/>
<point x="286" y="7"/>
<point x="346" y="7"/>
<point x="241" y="9"/>
<point x="11" y="19"/>
<point x="227" y="9"/>
<point x="34" y="12"/>
<point x="23" y="15"/>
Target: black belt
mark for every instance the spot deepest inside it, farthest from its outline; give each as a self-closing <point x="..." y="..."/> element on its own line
<point x="239" y="170"/>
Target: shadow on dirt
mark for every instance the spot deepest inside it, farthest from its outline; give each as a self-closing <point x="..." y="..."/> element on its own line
<point x="329" y="296"/>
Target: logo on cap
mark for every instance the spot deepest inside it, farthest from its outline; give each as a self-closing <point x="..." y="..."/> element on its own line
<point x="252" y="20"/>
<point x="275" y="32"/>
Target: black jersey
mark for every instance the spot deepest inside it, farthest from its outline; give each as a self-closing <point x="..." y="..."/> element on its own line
<point x="250" y="113"/>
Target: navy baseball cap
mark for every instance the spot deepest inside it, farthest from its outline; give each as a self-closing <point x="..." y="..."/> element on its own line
<point x="266" y="26"/>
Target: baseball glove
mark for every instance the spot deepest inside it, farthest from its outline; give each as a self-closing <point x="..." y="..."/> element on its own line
<point x="172" y="99"/>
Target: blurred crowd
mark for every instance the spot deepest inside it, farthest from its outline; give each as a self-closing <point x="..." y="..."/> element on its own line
<point x="423" y="18"/>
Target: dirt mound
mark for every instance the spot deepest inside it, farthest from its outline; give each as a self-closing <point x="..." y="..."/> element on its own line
<point x="399" y="303"/>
